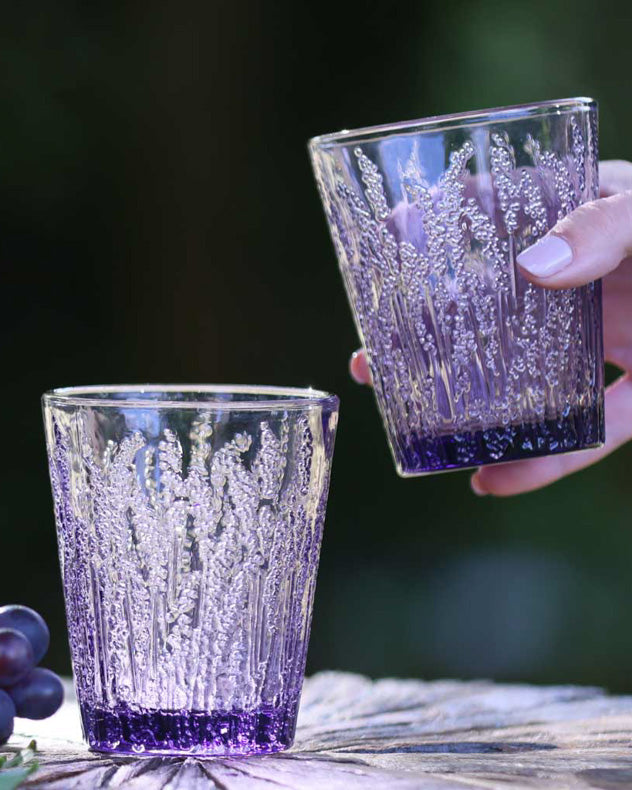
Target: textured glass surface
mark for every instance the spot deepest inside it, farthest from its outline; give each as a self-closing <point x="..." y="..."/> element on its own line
<point x="189" y="527"/>
<point x="471" y="363"/>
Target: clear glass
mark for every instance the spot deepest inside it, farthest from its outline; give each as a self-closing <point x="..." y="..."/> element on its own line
<point x="471" y="363"/>
<point x="189" y="523"/>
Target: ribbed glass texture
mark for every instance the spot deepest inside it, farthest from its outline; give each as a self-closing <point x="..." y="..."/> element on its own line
<point x="471" y="363"/>
<point x="189" y="524"/>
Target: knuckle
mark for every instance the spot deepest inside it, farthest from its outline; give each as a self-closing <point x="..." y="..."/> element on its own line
<point x="606" y="214"/>
<point x="586" y="220"/>
<point x="607" y="221"/>
<point x="620" y="213"/>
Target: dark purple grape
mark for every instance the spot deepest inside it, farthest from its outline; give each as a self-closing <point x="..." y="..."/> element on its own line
<point x="38" y="695"/>
<point x="29" y="623"/>
<point x="16" y="656"/>
<point x="7" y="712"/>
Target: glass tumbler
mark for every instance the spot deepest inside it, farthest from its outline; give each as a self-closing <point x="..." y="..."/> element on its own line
<point x="189" y="523"/>
<point x="471" y="363"/>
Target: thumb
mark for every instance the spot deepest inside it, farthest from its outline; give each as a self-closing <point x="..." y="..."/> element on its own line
<point x="587" y="244"/>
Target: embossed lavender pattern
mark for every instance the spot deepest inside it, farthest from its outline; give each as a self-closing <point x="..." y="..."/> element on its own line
<point x="189" y="543"/>
<point x="471" y="364"/>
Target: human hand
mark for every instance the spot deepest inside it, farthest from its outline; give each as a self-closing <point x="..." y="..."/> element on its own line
<point x="593" y="241"/>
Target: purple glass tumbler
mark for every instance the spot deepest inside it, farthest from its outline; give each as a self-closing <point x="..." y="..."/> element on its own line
<point x="189" y="523"/>
<point x="471" y="363"/>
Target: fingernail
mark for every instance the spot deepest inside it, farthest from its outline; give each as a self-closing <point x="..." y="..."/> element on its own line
<point x="546" y="257"/>
<point x="477" y="488"/>
<point x="359" y="369"/>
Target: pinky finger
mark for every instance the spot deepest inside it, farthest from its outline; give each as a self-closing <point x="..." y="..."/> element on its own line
<point x="518" y="477"/>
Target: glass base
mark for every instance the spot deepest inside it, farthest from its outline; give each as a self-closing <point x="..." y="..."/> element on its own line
<point x="578" y="430"/>
<point x="136" y="731"/>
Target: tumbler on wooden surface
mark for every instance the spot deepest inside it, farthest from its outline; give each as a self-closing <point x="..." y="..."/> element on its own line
<point x="189" y="523"/>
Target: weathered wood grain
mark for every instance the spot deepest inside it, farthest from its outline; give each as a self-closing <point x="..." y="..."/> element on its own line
<point x="358" y="734"/>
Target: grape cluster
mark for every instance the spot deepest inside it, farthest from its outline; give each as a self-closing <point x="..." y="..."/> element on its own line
<point x="25" y="689"/>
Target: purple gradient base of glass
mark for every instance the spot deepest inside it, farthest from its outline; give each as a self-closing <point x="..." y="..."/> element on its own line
<point x="576" y="431"/>
<point x="158" y="732"/>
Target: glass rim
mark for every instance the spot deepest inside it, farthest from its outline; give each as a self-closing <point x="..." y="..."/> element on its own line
<point x="276" y="398"/>
<point x="436" y="123"/>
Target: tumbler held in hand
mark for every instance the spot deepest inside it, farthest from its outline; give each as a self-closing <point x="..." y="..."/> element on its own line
<point x="471" y="363"/>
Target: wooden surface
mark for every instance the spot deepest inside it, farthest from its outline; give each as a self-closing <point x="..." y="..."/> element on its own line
<point x="356" y="734"/>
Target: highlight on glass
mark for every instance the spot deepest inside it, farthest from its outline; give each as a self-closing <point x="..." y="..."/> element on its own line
<point x="189" y="523"/>
<point x="471" y="363"/>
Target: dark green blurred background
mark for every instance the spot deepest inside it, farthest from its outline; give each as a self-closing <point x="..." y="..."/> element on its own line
<point x="159" y="223"/>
